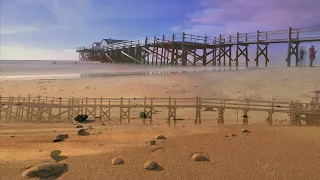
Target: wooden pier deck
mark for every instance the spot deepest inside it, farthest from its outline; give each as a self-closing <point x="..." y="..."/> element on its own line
<point x="44" y="109"/>
<point x="190" y="49"/>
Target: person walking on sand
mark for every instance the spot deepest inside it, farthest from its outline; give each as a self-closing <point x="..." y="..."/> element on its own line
<point x="302" y="59"/>
<point x="312" y="55"/>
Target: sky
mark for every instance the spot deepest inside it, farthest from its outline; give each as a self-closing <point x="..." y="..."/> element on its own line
<point x="52" y="29"/>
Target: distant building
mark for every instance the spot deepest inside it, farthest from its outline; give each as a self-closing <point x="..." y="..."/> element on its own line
<point x="97" y="45"/>
<point x="105" y="42"/>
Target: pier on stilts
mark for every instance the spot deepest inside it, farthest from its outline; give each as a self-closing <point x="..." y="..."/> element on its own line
<point x="189" y="49"/>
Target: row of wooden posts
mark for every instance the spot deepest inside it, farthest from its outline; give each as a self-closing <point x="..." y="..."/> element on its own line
<point x="39" y="108"/>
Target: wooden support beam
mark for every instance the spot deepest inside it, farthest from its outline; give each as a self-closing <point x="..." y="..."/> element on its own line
<point x="152" y="57"/>
<point x="198" y="111"/>
<point x="136" y="60"/>
<point x="243" y="52"/>
<point x="220" y="116"/>
<point x="172" y="50"/>
<point x="245" y="117"/>
<point x="109" y="57"/>
<point x="162" y="57"/>
<point x="204" y="54"/>
<point x="183" y="53"/>
<point x="153" y="53"/>
<point x="269" y="118"/>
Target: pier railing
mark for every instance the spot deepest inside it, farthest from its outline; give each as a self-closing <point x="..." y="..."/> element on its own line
<point x="45" y="109"/>
<point x="278" y="36"/>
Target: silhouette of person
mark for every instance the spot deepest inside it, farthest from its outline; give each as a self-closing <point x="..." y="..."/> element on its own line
<point x="302" y="60"/>
<point x="312" y="55"/>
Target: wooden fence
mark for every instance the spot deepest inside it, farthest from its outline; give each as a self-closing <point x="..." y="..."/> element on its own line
<point x="45" y="109"/>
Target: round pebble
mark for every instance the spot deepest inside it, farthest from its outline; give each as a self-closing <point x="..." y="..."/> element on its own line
<point x="55" y="153"/>
<point x="150" y="165"/>
<point x="117" y="161"/>
<point x="245" y="131"/>
<point x="160" y="137"/>
<point x="152" y="142"/>
<point x="199" y="157"/>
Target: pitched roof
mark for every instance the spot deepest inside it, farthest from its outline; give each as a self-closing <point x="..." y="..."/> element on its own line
<point x="110" y="41"/>
<point x="97" y="43"/>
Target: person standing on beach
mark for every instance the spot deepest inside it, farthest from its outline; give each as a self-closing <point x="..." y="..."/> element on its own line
<point x="312" y="55"/>
<point x="302" y="60"/>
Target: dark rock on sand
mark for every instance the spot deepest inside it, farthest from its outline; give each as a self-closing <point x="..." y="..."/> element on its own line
<point x="81" y="118"/>
<point x="61" y="137"/>
<point x="245" y="131"/>
<point x="44" y="170"/>
<point x="152" y="142"/>
<point x="83" y="132"/>
<point x="79" y="126"/>
<point x="160" y="137"/>
<point x="57" y="140"/>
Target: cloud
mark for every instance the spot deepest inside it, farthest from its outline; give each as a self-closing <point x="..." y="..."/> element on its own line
<point x="251" y="15"/>
<point x="17" y="29"/>
<point x="16" y="52"/>
<point x="61" y="24"/>
<point x="22" y="16"/>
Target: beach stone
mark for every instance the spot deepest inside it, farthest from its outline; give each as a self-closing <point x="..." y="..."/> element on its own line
<point x="245" y="131"/>
<point x="81" y="118"/>
<point x="208" y="109"/>
<point x="233" y="135"/>
<point x="143" y="115"/>
<point x="199" y="157"/>
<point x="83" y="132"/>
<point x="117" y="161"/>
<point x="62" y="136"/>
<point x="44" y="170"/>
<point x="150" y="165"/>
<point x="79" y="126"/>
<point x="152" y="142"/>
<point x="88" y="127"/>
<point x="57" y="140"/>
<point x="55" y="153"/>
<point x="160" y="137"/>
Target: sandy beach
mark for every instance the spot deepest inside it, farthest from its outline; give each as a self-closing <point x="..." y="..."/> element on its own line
<point x="268" y="152"/>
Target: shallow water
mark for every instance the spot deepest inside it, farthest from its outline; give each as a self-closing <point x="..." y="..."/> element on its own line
<point x="14" y="69"/>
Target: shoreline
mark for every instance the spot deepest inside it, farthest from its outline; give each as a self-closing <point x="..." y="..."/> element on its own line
<point x="118" y="74"/>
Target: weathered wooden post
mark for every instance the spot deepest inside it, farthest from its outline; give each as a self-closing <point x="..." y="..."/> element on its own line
<point x="198" y="111"/>
<point x="175" y="112"/>
<point x="289" y="47"/>
<point x="60" y="104"/>
<point x="144" y="110"/>
<point x="151" y="111"/>
<point x="0" y="109"/>
<point x="220" y="116"/>
<point x="270" y="119"/>
<point x="121" y="104"/>
<point x="204" y="55"/>
<point x="169" y="111"/>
